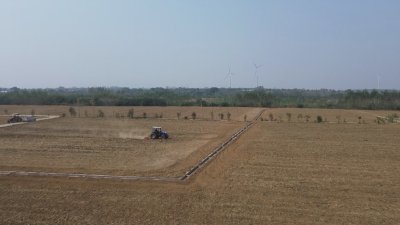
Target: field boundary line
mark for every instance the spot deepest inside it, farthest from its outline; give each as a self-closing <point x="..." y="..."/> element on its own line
<point x="184" y="177"/>
<point x="212" y="154"/>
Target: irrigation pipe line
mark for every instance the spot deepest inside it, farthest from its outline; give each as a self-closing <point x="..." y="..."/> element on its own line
<point x="184" y="177"/>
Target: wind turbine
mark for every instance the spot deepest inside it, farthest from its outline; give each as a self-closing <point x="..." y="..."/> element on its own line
<point x="379" y="78"/>
<point x="230" y="77"/>
<point x="256" y="72"/>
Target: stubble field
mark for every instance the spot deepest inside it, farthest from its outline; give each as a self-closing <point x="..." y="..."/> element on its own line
<point x="275" y="173"/>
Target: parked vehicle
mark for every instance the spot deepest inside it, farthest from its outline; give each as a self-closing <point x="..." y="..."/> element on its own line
<point x="15" y="118"/>
<point x="29" y="119"/>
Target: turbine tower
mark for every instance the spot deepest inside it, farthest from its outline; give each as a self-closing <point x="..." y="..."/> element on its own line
<point x="230" y="76"/>
<point x="256" y="72"/>
<point x="379" y="78"/>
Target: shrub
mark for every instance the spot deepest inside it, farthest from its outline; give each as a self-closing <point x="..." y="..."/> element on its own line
<point x="156" y="115"/>
<point x="178" y="115"/>
<point x="300" y="116"/>
<point x="144" y="114"/>
<point x="194" y="115"/>
<point x="392" y="118"/>
<point x="6" y="111"/>
<point x="101" y="114"/>
<point x="319" y="119"/>
<point x="117" y="115"/>
<point x="86" y="114"/>
<point x="186" y="117"/>
<point x="72" y="111"/>
<point x="359" y="119"/>
<point x="161" y="115"/>
<point x="130" y="113"/>
<point x="212" y="115"/>
<point x="338" y="118"/>
<point x="307" y="118"/>
<point x="245" y="118"/>
<point x="228" y="115"/>
<point x="32" y="112"/>
<point x="63" y="115"/>
<point x="221" y="116"/>
<point x="271" y="117"/>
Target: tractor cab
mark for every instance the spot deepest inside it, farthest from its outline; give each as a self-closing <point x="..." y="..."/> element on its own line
<point x="158" y="133"/>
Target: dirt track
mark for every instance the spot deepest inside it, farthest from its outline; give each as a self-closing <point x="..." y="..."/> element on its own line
<point x="276" y="173"/>
<point x="39" y="118"/>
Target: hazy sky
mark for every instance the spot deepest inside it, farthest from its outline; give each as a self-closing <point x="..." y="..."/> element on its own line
<point x="301" y="44"/>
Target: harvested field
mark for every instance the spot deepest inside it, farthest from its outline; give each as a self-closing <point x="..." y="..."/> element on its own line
<point x="328" y="115"/>
<point x="275" y="173"/>
<point x="202" y="113"/>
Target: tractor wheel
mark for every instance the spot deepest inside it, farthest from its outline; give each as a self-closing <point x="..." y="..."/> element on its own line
<point x="163" y="137"/>
<point x="153" y="136"/>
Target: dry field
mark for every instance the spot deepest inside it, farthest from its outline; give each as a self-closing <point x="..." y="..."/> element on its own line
<point x="203" y="113"/>
<point x="275" y="173"/>
<point x="111" y="145"/>
<point x="328" y="115"/>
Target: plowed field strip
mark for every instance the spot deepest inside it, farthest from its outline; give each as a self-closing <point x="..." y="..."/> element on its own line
<point x="184" y="177"/>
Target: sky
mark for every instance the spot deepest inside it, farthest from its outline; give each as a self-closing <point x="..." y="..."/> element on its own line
<point x="310" y="44"/>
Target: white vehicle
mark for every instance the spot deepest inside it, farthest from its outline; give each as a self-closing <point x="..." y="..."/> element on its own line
<point x="29" y="119"/>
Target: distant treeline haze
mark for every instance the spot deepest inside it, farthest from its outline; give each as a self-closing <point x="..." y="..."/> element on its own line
<point x="239" y="97"/>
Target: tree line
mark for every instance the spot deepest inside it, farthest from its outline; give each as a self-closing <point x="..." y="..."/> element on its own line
<point x="238" y="97"/>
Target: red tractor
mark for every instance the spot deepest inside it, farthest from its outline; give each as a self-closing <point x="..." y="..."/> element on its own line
<point x="15" y="118"/>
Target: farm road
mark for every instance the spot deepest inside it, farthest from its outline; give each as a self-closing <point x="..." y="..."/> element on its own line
<point x="43" y="117"/>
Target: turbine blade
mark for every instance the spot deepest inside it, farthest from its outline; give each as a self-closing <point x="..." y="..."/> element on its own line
<point x="254" y="63"/>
